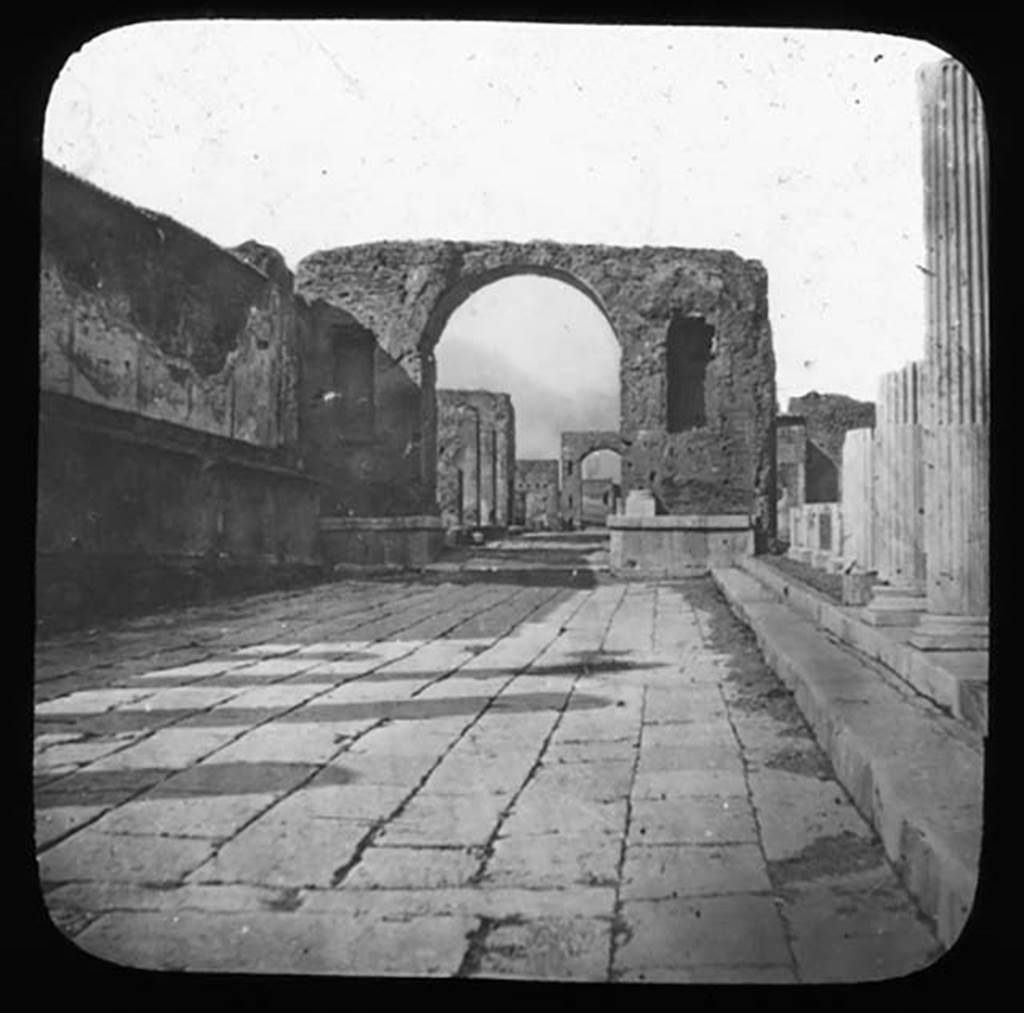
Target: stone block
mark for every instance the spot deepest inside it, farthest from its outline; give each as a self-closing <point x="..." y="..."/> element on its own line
<point x="374" y="541"/>
<point x="654" y="872"/>
<point x="686" y="933"/>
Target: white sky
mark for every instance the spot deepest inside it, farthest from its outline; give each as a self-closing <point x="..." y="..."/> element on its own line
<point x="798" y="148"/>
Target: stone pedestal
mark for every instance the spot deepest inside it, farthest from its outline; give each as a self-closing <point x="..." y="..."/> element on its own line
<point x="677" y="545"/>
<point x="957" y="400"/>
<point x="640" y="503"/>
<point x="381" y="541"/>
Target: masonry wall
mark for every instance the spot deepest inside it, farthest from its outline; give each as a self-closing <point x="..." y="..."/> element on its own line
<point x="712" y="461"/>
<point x="537" y="490"/>
<point x="461" y="416"/>
<point x="828" y="417"/>
<point x="170" y="457"/>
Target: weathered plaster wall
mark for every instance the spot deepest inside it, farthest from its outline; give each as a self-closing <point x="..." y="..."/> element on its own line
<point x="169" y="447"/>
<point x="404" y="292"/>
<point x="459" y="414"/>
<point x="537" y="494"/>
<point x="141" y="314"/>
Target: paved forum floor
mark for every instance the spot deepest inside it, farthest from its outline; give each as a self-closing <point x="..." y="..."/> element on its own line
<point x="488" y="773"/>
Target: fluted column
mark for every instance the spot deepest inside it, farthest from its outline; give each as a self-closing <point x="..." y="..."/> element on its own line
<point x="957" y="399"/>
<point x="899" y="474"/>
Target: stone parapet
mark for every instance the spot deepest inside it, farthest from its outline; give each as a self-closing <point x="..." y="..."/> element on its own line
<point x="410" y="541"/>
<point x="677" y="545"/>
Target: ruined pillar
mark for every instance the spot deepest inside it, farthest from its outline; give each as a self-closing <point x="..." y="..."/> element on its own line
<point x="957" y="391"/>
<point x="858" y="507"/>
<point x="899" y="600"/>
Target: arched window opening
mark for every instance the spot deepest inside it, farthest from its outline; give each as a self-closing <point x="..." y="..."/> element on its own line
<point x="688" y="353"/>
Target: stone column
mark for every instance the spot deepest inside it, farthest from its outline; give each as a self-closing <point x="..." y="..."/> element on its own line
<point x="957" y="398"/>
<point x="899" y="481"/>
<point x="857" y="494"/>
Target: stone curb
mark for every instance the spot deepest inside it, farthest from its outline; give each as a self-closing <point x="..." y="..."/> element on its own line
<point x="910" y="770"/>
<point x="966" y="698"/>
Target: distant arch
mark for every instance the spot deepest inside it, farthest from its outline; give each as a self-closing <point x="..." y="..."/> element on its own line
<point x="575" y="447"/>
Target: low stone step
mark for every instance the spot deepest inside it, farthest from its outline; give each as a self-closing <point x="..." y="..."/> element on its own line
<point x="914" y="772"/>
<point x="955" y="680"/>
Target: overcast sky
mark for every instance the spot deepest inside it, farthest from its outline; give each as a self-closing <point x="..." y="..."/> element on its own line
<point x="797" y="148"/>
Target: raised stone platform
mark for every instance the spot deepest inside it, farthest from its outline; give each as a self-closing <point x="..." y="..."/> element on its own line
<point x="915" y="773"/>
<point x="677" y="545"/>
<point x="957" y="681"/>
<point x="410" y="541"/>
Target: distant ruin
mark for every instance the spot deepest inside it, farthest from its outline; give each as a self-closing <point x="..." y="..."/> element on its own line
<point x="476" y="455"/>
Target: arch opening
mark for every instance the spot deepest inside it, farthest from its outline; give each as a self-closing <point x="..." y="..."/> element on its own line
<point x="520" y="359"/>
<point x="601" y="487"/>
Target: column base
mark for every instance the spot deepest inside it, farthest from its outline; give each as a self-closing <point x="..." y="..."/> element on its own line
<point x="951" y="633"/>
<point x="896" y="606"/>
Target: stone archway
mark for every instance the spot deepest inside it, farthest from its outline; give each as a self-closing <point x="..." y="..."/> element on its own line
<point x="720" y="463"/>
<point x="575" y="447"/>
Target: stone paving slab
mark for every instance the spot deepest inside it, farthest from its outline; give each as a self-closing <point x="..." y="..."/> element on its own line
<point x="415" y="868"/>
<point x="551" y="948"/>
<point x="553" y="860"/>
<point x="216" y="817"/>
<point x="279" y="943"/>
<point x="739" y="929"/>
<point x="151" y="859"/>
<point x="694" y="819"/>
<point x="659" y="871"/>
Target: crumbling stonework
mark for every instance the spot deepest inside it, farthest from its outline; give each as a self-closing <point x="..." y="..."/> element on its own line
<point x="475" y="458"/>
<point x="827" y="419"/>
<point x="140" y="314"/>
<point x="537" y="494"/>
<point x="712" y="302"/>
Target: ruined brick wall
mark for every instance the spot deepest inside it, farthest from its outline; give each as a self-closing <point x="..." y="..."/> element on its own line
<point x="463" y="418"/>
<point x="537" y="491"/>
<point x="169" y="446"/>
<point x="404" y="293"/>
<point x="828" y="417"/>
